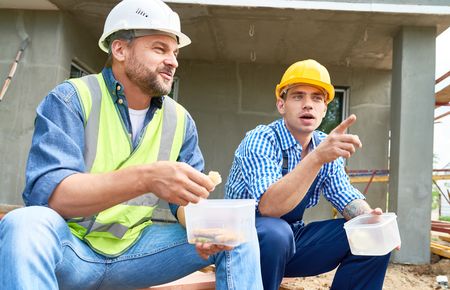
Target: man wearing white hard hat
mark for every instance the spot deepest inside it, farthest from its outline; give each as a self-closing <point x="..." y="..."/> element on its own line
<point x="106" y="148"/>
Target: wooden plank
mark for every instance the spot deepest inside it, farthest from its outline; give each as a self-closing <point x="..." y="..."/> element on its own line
<point x="385" y="178"/>
<point x="440" y="223"/>
<point x="440" y="250"/>
<point x="440" y="246"/>
<point x="364" y="179"/>
<point x="440" y="229"/>
<point x="441" y="177"/>
<point x="440" y="226"/>
<point x="444" y="226"/>
<point x="5" y="208"/>
<point x="444" y="238"/>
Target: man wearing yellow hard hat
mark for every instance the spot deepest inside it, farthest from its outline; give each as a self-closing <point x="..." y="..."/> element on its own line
<point x="284" y="166"/>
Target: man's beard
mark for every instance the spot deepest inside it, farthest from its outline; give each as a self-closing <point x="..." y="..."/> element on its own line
<point x="146" y="79"/>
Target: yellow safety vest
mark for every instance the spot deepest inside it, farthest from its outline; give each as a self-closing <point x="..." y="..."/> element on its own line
<point x="108" y="147"/>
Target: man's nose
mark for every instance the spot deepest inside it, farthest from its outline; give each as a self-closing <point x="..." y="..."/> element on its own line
<point x="171" y="61"/>
<point x="307" y="102"/>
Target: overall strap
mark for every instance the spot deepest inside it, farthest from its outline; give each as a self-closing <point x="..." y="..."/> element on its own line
<point x="285" y="165"/>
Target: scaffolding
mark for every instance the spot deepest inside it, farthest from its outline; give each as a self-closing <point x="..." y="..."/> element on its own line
<point x="382" y="175"/>
<point x="442" y="98"/>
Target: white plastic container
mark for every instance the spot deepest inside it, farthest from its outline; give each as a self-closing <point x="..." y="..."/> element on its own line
<point x="373" y="235"/>
<point x="220" y="221"/>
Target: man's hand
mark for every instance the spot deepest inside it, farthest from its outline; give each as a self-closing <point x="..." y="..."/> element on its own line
<point x="338" y="143"/>
<point x="176" y="182"/>
<point x="205" y="249"/>
<point x="85" y="194"/>
<point x="358" y="207"/>
<point x="379" y="211"/>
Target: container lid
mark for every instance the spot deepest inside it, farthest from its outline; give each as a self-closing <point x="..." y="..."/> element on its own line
<point x="377" y="220"/>
<point x="223" y="203"/>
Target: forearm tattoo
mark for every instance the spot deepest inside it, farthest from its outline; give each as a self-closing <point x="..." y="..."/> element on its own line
<point x="355" y="208"/>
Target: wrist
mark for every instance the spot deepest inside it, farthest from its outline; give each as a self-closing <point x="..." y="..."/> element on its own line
<point x="316" y="158"/>
<point x="143" y="177"/>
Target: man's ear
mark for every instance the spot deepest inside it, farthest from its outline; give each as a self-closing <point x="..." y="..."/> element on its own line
<point x="280" y="106"/>
<point x="325" y="110"/>
<point x="119" y="49"/>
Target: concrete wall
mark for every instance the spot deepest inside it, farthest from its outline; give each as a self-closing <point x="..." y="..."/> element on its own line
<point x="228" y="99"/>
<point x="55" y="42"/>
<point x="225" y="99"/>
<point x="370" y="101"/>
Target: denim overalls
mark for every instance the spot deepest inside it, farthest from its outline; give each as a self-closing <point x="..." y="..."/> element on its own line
<point x="289" y="248"/>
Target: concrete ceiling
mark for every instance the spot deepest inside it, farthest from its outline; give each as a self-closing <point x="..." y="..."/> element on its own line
<point x="28" y="4"/>
<point x="270" y="35"/>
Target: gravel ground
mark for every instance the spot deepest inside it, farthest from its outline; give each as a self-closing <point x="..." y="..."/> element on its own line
<point x="398" y="277"/>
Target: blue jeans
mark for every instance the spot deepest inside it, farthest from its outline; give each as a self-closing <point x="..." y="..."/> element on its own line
<point x="37" y="251"/>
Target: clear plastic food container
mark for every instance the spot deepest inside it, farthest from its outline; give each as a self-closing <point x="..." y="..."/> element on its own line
<point x="220" y="221"/>
<point x="373" y="235"/>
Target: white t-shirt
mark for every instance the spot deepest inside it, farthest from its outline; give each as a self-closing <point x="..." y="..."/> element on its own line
<point x="137" y="121"/>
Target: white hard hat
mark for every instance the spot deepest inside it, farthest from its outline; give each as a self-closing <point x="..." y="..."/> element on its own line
<point x="143" y="15"/>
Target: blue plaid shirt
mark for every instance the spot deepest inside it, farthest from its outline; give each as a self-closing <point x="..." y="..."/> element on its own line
<point x="258" y="164"/>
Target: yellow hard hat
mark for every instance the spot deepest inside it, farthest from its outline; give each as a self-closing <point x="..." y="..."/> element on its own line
<point x="308" y="72"/>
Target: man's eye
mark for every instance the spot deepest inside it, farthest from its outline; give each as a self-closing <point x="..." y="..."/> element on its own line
<point x="319" y="98"/>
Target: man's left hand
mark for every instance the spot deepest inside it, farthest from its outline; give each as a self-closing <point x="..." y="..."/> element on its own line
<point x="205" y="249"/>
<point x="379" y="211"/>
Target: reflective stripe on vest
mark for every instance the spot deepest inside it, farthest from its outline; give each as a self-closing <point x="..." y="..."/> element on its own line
<point x="108" y="147"/>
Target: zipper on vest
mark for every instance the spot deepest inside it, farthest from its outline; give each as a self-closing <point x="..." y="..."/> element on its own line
<point x="144" y="130"/>
<point x="141" y="137"/>
<point x="135" y="149"/>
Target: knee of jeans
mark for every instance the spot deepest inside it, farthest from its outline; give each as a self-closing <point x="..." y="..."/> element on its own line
<point x="275" y="235"/>
<point x="28" y="221"/>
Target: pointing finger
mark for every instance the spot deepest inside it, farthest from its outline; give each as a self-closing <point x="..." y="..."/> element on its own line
<point x="343" y="126"/>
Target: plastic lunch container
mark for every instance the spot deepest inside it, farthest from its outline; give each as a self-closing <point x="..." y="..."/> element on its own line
<point x="220" y="221"/>
<point x="373" y="235"/>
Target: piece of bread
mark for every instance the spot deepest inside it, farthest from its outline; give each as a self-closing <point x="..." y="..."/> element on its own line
<point x="215" y="177"/>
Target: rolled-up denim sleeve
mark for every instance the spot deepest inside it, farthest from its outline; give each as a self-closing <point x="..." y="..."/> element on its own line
<point x="190" y="153"/>
<point x="57" y="144"/>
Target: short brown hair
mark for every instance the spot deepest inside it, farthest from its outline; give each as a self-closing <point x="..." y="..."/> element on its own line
<point x="127" y="35"/>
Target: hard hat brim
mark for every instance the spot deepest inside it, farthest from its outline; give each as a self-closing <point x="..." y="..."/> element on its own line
<point x="183" y="39"/>
<point x="294" y="81"/>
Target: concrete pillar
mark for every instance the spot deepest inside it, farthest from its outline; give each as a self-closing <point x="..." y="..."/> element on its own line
<point x="411" y="154"/>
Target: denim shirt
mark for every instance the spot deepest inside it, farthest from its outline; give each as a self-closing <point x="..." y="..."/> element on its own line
<point x="58" y="141"/>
